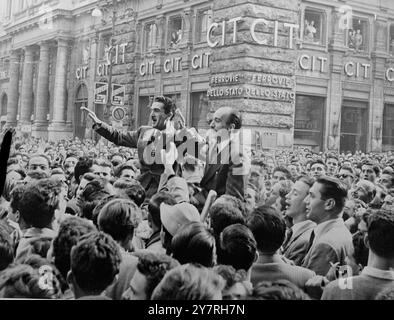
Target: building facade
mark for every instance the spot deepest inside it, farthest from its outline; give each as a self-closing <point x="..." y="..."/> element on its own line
<point x="55" y="57"/>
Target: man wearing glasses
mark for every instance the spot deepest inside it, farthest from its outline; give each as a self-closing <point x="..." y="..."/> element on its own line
<point x="347" y="176"/>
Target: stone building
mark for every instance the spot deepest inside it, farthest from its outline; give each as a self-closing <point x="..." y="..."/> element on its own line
<point x="316" y="74"/>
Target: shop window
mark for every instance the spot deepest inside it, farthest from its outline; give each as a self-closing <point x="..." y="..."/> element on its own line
<point x="357" y="36"/>
<point x="314" y="26"/>
<point x="199" y="110"/>
<point x="391" y="46"/>
<point x="309" y="121"/>
<point x="175" y="32"/>
<point x="150" y="36"/>
<point x="388" y="125"/>
<point x="202" y="26"/>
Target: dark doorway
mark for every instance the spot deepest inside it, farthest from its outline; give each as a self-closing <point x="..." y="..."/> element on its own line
<point x="354" y="127"/>
<point x="80" y="117"/>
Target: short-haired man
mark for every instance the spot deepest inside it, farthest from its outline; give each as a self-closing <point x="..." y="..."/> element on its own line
<point x="330" y="241"/>
<point x="378" y="275"/>
<point x="318" y="169"/>
<point x="369" y="171"/>
<point x="297" y="238"/>
<point x="347" y="176"/>
<point x="95" y="263"/>
<point x="387" y="179"/>
<point x="39" y="163"/>
<point x="146" y="139"/>
<point x="280" y="174"/>
<point x="103" y="168"/>
<point x="332" y="163"/>
<point x="151" y="269"/>
<point x="269" y="229"/>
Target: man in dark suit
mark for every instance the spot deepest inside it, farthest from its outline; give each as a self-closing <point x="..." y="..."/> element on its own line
<point x="149" y="141"/>
<point x="331" y="240"/>
<point x="297" y="238"/>
<point x="227" y="156"/>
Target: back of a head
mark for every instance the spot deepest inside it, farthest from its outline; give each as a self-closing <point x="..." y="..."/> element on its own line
<point x="39" y="202"/>
<point x="381" y="233"/>
<point x="132" y="190"/>
<point x="70" y="231"/>
<point x="25" y="282"/>
<point x="268" y="228"/>
<point x="223" y="215"/>
<point x="237" y="247"/>
<point x="6" y="248"/>
<point x="95" y="262"/>
<point x="83" y="166"/>
<point x="278" y="290"/>
<point x="194" y="243"/>
<point x="153" y="266"/>
<point x="119" y="218"/>
<point x="190" y="282"/>
<point x="92" y="194"/>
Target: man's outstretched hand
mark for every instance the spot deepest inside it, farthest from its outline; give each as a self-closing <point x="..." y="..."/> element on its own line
<point x="92" y="115"/>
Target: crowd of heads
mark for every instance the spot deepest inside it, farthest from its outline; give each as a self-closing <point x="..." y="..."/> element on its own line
<point x="75" y="222"/>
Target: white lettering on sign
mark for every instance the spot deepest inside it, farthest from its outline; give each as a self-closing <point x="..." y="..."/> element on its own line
<point x="113" y="55"/>
<point x="313" y="63"/>
<point x="147" y="68"/>
<point x="172" y="65"/>
<point x="234" y="21"/>
<point x="390" y="74"/>
<point x="357" y="69"/>
<point x="81" y="73"/>
<point x="201" y="61"/>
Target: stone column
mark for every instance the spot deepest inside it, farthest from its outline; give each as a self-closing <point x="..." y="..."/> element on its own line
<point x="27" y="88"/>
<point x="13" y="91"/>
<point x="42" y="104"/>
<point x="253" y="65"/>
<point x="376" y="105"/>
<point x="57" y="128"/>
<point x="334" y="98"/>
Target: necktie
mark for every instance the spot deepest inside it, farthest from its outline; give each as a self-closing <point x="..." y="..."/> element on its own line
<point x="311" y="241"/>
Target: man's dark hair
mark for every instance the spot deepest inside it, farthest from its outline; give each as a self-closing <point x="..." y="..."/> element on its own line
<point x="374" y="166"/>
<point x="278" y="290"/>
<point x="70" y="231"/>
<point x="194" y="243"/>
<point x="100" y="205"/>
<point x="39" y="202"/>
<point x="132" y="190"/>
<point x="268" y="228"/>
<point x="95" y="262"/>
<point x="230" y="275"/>
<point x="6" y="248"/>
<point x="235" y="119"/>
<point x="154" y="206"/>
<point x="83" y="166"/>
<point x="335" y="189"/>
<point x="94" y="191"/>
<point x="169" y="104"/>
<point x="154" y="267"/>
<point x="223" y="215"/>
<point x="119" y="218"/>
<point x="237" y="247"/>
<point x="381" y="233"/>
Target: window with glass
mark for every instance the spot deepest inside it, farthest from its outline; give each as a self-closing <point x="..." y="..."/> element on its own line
<point x="202" y="25"/>
<point x="314" y="26"/>
<point x="388" y="124"/>
<point x="309" y="121"/>
<point x="391" y="39"/>
<point x="357" y="36"/>
<point x="150" y="36"/>
<point x="175" y="32"/>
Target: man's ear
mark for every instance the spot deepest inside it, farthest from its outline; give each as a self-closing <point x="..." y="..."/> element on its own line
<point x="256" y="256"/>
<point x="366" y="241"/>
<point x="70" y="278"/>
<point x="232" y="126"/>
<point x="329" y="204"/>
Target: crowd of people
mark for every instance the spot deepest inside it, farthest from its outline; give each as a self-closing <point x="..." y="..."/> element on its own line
<point x="87" y="220"/>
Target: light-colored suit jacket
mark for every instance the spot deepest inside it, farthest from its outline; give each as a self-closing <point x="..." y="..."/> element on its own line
<point x="332" y="244"/>
<point x="296" y="249"/>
